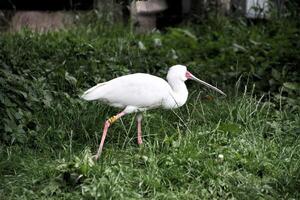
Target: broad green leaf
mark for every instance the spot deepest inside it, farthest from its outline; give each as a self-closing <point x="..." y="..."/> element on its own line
<point x="292" y="85"/>
<point x="276" y="75"/>
<point x="188" y="33"/>
<point x="141" y="46"/>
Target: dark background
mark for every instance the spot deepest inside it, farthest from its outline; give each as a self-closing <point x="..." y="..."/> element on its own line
<point x="46" y="4"/>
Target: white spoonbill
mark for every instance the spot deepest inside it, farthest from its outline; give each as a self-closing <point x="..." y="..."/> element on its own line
<point x="139" y="92"/>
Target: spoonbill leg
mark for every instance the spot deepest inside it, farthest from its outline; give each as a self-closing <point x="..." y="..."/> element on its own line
<point x="106" y="126"/>
<point x="139" y="128"/>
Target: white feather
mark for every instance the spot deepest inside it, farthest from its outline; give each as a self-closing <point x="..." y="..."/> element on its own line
<point x="90" y="93"/>
<point x="137" y="90"/>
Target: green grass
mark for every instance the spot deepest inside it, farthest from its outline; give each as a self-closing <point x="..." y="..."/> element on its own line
<point x="179" y="158"/>
<point x="48" y="134"/>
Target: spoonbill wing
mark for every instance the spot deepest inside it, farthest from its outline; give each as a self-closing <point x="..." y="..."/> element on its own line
<point x="140" y="90"/>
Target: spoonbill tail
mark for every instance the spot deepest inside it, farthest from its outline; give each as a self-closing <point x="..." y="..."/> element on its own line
<point x="139" y="92"/>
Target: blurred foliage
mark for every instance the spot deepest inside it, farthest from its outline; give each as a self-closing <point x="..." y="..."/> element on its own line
<point x="39" y="72"/>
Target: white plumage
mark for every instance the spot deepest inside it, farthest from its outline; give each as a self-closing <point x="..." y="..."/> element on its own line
<point x="139" y="92"/>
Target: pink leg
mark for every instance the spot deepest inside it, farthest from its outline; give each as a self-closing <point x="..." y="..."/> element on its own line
<point x="139" y="128"/>
<point x="106" y="126"/>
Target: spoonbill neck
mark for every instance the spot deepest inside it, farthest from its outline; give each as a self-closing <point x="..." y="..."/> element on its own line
<point x="179" y="92"/>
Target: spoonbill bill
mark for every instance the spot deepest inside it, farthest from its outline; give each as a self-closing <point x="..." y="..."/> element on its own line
<point x="139" y="92"/>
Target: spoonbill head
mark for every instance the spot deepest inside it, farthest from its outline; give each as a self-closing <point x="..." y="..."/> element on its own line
<point x="139" y="92"/>
<point x="180" y="72"/>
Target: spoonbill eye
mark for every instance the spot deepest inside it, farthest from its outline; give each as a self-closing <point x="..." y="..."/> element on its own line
<point x="188" y="74"/>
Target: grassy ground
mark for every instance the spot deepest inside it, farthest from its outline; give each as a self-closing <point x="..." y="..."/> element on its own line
<point x="180" y="158"/>
<point x="245" y="146"/>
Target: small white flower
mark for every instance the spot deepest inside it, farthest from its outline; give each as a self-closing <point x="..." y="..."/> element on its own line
<point x="221" y="157"/>
<point x="157" y="42"/>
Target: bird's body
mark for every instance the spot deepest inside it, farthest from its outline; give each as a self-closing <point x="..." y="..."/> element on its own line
<point x="139" y="92"/>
